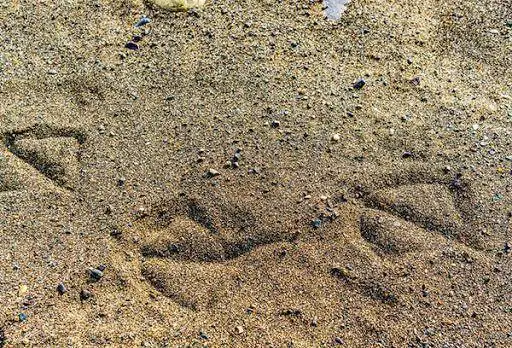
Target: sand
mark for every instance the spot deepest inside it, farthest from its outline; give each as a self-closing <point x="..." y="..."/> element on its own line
<point x="224" y="180"/>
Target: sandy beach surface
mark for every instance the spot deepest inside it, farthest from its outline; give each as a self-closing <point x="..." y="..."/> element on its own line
<point x="250" y="173"/>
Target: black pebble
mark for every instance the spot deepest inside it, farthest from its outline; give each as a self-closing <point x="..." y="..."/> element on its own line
<point x="131" y="46"/>
<point x="96" y="274"/>
<point x="85" y="295"/>
<point x="407" y="154"/>
<point x="61" y="288"/>
<point x="359" y="84"/>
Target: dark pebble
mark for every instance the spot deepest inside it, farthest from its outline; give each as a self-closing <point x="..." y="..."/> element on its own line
<point x="96" y="274"/>
<point x="131" y="46"/>
<point x="407" y="154"/>
<point x="116" y="233"/>
<point x="102" y="268"/>
<point x="317" y="223"/>
<point x="22" y="317"/>
<point x="359" y="84"/>
<point x="203" y="335"/>
<point x="275" y="124"/>
<point x="61" y="288"/>
<point x="85" y="294"/>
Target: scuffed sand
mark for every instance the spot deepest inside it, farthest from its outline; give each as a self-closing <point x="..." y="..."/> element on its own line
<point x="239" y="190"/>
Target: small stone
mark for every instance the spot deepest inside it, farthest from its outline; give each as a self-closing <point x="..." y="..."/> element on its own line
<point x="211" y="173"/>
<point x="476" y="126"/>
<point x="416" y="81"/>
<point x="61" y="288"/>
<point x="131" y="46"/>
<point x="407" y="154"/>
<point x="275" y="124"/>
<point x="95" y="274"/>
<point x="508" y="247"/>
<point x="85" y="294"/>
<point x="237" y="156"/>
<point x="102" y="268"/>
<point x="203" y="335"/>
<point x="338" y="340"/>
<point x="359" y="84"/>
<point x="22" y="317"/>
<point x="336" y="137"/>
<point x="143" y="21"/>
<point x="121" y="181"/>
<point x="239" y="330"/>
<point x="341" y="272"/>
<point x="314" y="322"/>
<point x="52" y="72"/>
<point x="317" y="223"/>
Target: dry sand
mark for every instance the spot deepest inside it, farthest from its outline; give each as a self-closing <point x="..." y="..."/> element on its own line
<point x="238" y="191"/>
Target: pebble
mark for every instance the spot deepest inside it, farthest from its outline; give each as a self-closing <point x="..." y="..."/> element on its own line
<point x="317" y="223"/>
<point x="203" y="335"/>
<point x="143" y="21"/>
<point x="85" y="294"/>
<point x="22" y="317"/>
<point x="212" y="173"/>
<point x="239" y="330"/>
<point x="359" y="84"/>
<point x="407" y="154"/>
<point x="52" y="72"/>
<point x="61" y="288"/>
<point x="131" y="46"/>
<point x="96" y="274"/>
<point x="336" y="137"/>
<point x="275" y="124"/>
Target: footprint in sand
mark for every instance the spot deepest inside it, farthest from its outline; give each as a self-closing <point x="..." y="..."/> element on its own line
<point x="40" y="157"/>
<point x="189" y="246"/>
